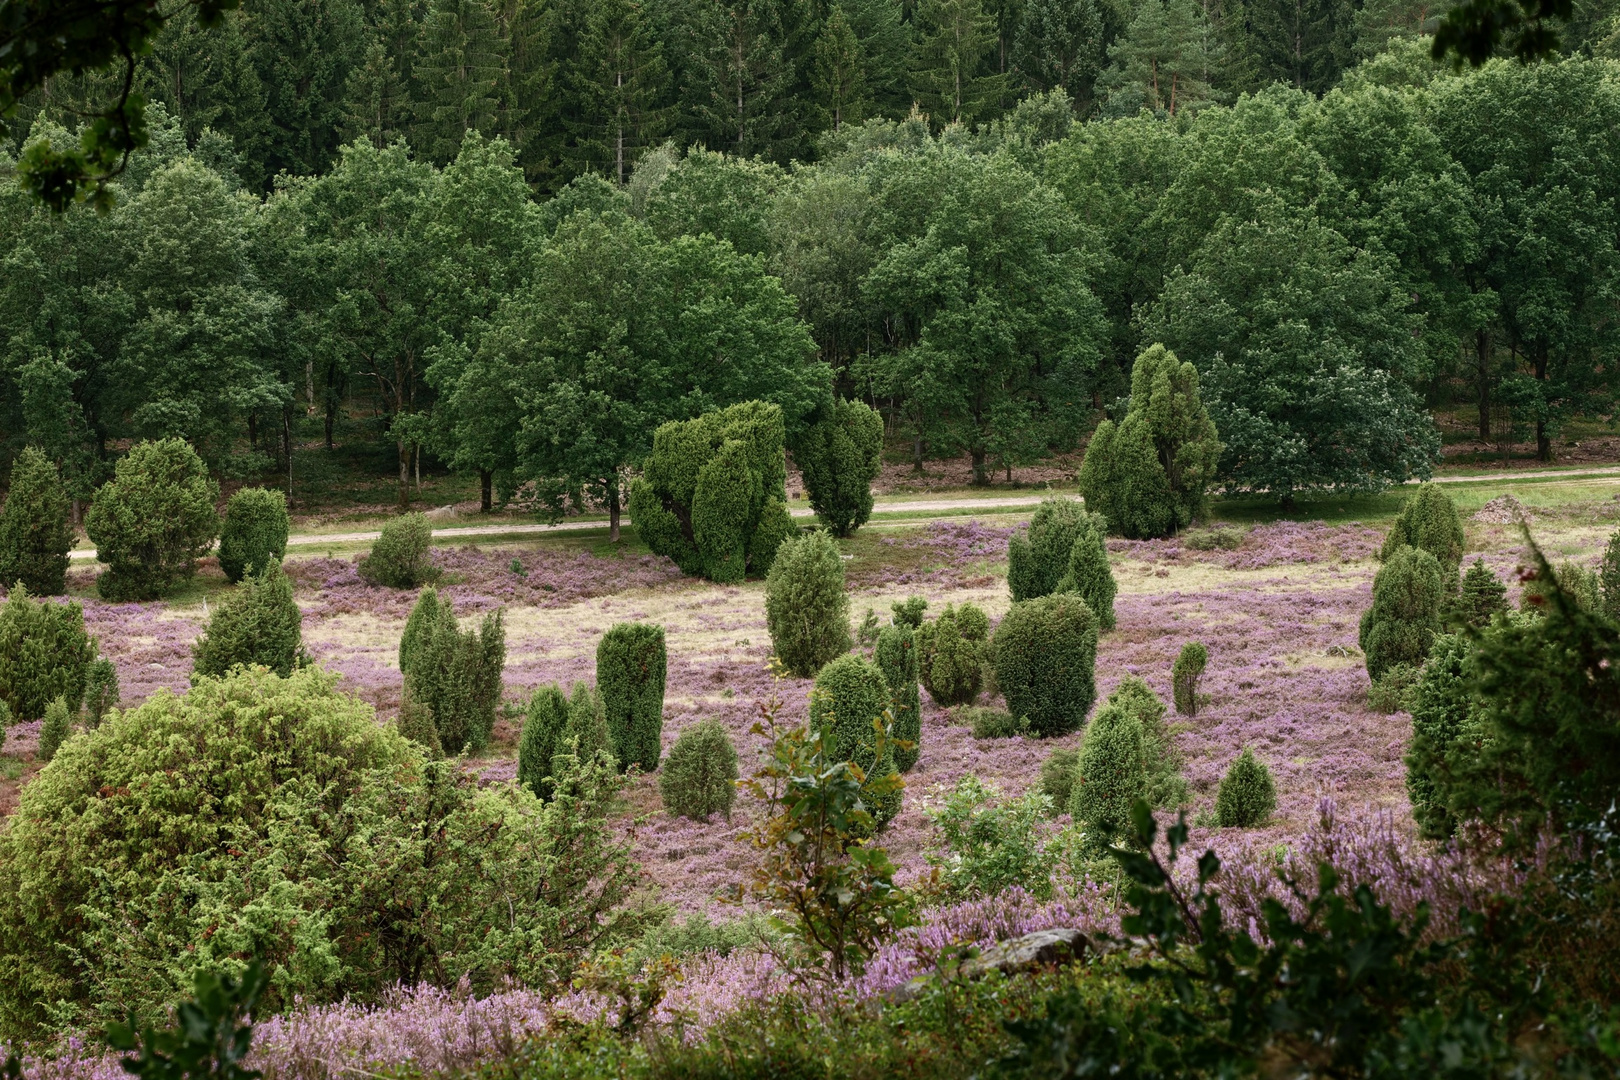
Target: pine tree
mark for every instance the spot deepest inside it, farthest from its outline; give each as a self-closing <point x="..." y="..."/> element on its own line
<point x="376" y="102"/>
<point x="1165" y="61"/>
<point x="741" y="79"/>
<point x="461" y="70"/>
<point x="35" y="536"/>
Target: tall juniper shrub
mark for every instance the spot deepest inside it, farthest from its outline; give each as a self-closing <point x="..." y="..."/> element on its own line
<point x="457" y="674"/>
<point x="631" y="665"/>
<point x="153" y="520"/>
<point x="1247" y="795"/>
<point x="1045" y="661"/>
<point x="253" y="532"/>
<point x="849" y="696"/>
<point x="1184" y="676"/>
<point x="951" y="653"/>
<point x="1038" y="558"/>
<point x="35" y="534"/>
<point x="258" y="624"/>
<point x="895" y="654"/>
<point x="806" y="608"/>
<point x="45" y="653"/>
<point x="839" y="456"/>
<point x="1088" y="574"/>
<point x="1408" y="593"/>
<point x="700" y="774"/>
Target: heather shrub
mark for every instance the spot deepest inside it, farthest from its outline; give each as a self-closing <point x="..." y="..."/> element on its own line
<point x="1429" y="522"/>
<point x="713" y="493"/>
<point x="849" y="695"/>
<point x="416" y="724"/>
<point x="253" y="532"/>
<point x="1110" y="775"/>
<point x="1481" y="597"/>
<point x="100" y="689"/>
<point x="401" y="556"/>
<point x="1039" y="558"/>
<point x="1408" y="593"/>
<point x="839" y="456"/>
<point x="1246" y="796"/>
<point x="1161" y="759"/>
<point x="258" y="624"/>
<point x="1088" y="575"/>
<point x="35" y="533"/>
<point x="950" y="654"/>
<point x="352" y="863"/>
<point x="700" y="776"/>
<point x="153" y="520"/>
<point x="895" y="654"/>
<point x="1184" y="676"/>
<point x="1609" y="577"/>
<point x="631" y="663"/>
<point x="1045" y="660"/>
<point x="54" y="731"/>
<point x="1388" y="692"/>
<point x="457" y="674"/>
<point x="990" y="723"/>
<point x="1057" y="778"/>
<point x="44" y="654"/>
<point x="909" y="612"/>
<point x="806" y="608"/>
<point x="991" y="845"/>
<point x="1148" y="474"/>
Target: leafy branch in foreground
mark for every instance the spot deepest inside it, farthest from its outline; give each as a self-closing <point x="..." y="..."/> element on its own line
<point x="210" y="1035"/>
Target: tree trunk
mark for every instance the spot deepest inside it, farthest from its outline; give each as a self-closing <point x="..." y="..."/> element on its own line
<point x="981" y="478"/>
<point x="486" y="491"/>
<point x="613" y="513"/>
<point x="331" y="408"/>
<point x="416" y="463"/>
<point x="1543" y="440"/>
<point x="286" y="443"/>
<point x="404" y="473"/>
<point x="253" y="432"/>
<point x="1482" y="360"/>
<point x="916" y="454"/>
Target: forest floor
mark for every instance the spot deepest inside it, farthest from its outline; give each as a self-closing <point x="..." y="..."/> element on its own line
<point x="1278" y="613"/>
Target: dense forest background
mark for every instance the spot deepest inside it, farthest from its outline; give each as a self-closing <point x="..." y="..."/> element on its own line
<point x="972" y="214"/>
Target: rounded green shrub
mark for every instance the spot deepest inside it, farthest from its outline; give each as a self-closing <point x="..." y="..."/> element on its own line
<point x="101" y="692"/>
<point x="1184" y="676"/>
<point x="850" y="693"/>
<point x="559" y="725"/>
<point x="1483" y="596"/>
<point x="989" y="723"/>
<point x="35" y="533"/>
<point x="700" y="775"/>
<point x="416" y="724"/>
<point x="55" y="730"/>
<point x="153" y="520"/>
<point x="253" y="533"/>
<point x="1408" y="593"/>
<point x="839" y="456"/>
<point x="1057" y="778"/>
<point x="1088" y="574"/>
<point x="909" y="612"/>
<point x="1246" y="796"/>
<point x="631" y="664"/>
<point x="1429" y="522"/>
<point x="1039" y="558"/>
<point x="44" y="654"/>
<point x="401" y="557"/>
<point x="806" y="608"/>
<point x="457" y="674"/>
<point x="1161" y="759"/>
<point x="1046" y="657"/>
<point x="950" y="654"/>
<point x="259" y="624"/>
<point x="895" y="654"/>
<point x="1109" y="777"/>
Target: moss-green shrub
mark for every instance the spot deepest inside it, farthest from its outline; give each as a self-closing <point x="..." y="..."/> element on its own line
<point x="991" y="723"/>
<point x="1408" y="593"/>
<point x="1162" y="761"/>
<point x="631" y="664"/>
<point x="839" y="456"/>
<point x="5" y="716"/>
<point x="44" y="654"/>
<point x="258" y="624"/>
<point x="416" y="724"/>
<point x="1214" y="538"/>
<point x="1110" y="775"/>
<point x="909" y="612"/>
<point x="253" y="533"/>
<point x="1045" y="662"/>
<point x="806" y="608"/>
<point x="1148" y="475"/>
<point x="1057" y="778"/>
<point x="713" y="493"/>
<point x="101" y="693"/>
<point x="1582" y="584"/>
<point x="895" y="654"/>
<point x="1088" y="575"/>
<point x="1247" y="795"/>
<point x="424" y="614"/>
<point x="1429" y="522"/>
<point x="700" y="775"/>
<point x="457" y="674"/>
<point x="1184" y="676"/>
<point x="1608" y="577"/>
<point x="1443" y="719"/>
<point x="401" y="556"/>
<point x="950" y="654"/>
<point x="342" y="857"/>
<point x="543" y="727"/>
<point x="849" y="695"/>
<point x="153" y="520"/>
<point x="55" y="730"/>
<point x="1038" y="558"/>
<point x="1482" y="597"/>
<point x="35" y="533"/>
<point x="1388" y="692"/>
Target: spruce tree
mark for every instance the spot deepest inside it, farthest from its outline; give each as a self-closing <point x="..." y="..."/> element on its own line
<point x="1163" y="61"/>
<point x="35" y="534"/>
<point x="616" y="79"/>
<point x="631" y="663"/>
<point x="838" y="74"/>
<point x="258" y="624"/>
<point x="950" y="76"/>
<point x="461" y="72"/>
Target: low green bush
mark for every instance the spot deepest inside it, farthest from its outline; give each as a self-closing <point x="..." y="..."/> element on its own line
<point x="631" y="664"/>
<point x="950" y="654"/>
<point x="253" y="533"/>
<point x="990" y="723"/>
<point x="1247" y="796"/>
<point x="55" y="730"/>
<point x="45" y="653"/>
<point x="1388" y="692"/>
<point x="1408" y="593"/>
<point x="806" y="608"/>
<point x="991" y="844"/>
<point x="1184" y="676"/>
<point x="909" y="612"/>
<point x="153" y="520"/>
<point x="1214" y="538"/>
<point x="1045" y="661"/>
<point x="1057" y="778"/>
<point x="258" y="624"/>
<point x="700" y="775"/>
<point x="35" y="533"/>
<point x="558" y="726"/>
<point x="402" y="555"/>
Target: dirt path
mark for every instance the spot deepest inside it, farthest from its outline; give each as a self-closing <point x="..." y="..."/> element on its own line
<point x="921" y="506"/>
